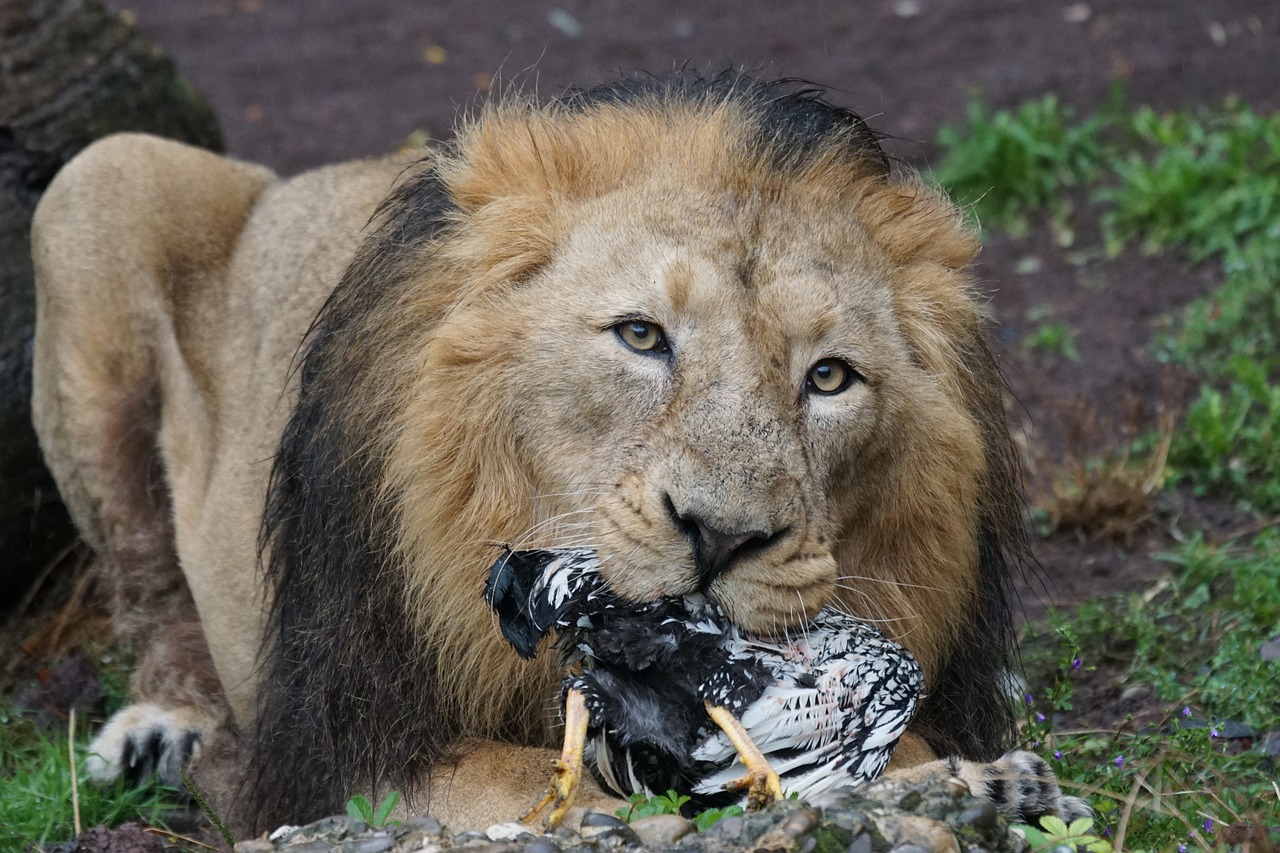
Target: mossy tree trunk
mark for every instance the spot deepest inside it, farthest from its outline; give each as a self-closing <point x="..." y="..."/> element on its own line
<point x="70" y="72"/>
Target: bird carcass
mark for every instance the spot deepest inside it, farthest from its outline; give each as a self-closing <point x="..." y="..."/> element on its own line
<point x="669" y="694"/>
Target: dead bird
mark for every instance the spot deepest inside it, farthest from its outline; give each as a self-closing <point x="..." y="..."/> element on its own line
<point x="669" y="694"/>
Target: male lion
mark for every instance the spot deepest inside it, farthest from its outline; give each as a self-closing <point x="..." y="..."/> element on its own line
<point x="693" y="324"/>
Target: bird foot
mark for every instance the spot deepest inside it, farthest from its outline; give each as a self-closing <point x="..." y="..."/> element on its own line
<point x="560" y="796"/>
<point x="761" y="784"/>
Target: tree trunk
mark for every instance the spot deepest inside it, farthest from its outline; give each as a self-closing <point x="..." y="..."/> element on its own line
<point x="70" y="72"/>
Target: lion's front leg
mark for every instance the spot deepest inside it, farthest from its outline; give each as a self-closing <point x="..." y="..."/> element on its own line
<point x="495" y="783"/>
<point x="1020" y="783"/>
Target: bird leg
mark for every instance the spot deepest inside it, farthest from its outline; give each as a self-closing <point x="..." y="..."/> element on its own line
<point x="761" y="782"/>
<point x="568" y="773"/>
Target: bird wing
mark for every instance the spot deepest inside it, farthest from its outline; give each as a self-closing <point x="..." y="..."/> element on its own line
<point x="842" y="697"/>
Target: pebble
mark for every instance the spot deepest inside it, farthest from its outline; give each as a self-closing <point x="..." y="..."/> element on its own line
<point x="983" y="815"/>
<point x="601" y="819"/>
<point x="541" y="845"/>
<point x="509" y="831"/>
<point x="423" y="824"/>
<point x="1270" y="650"/>
<point x="661" y="830"/>
<point x="373" y="845"/>
<point x="861" y="843"/>
<point x="729" y="827"/>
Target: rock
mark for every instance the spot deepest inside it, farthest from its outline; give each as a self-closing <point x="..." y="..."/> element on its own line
<point x="661" y="830"/>
<point x="1270" y="650"/>
<point x="376" y="844"/>
<point x="70" y="72"/>
<point x="983" y="815"/>
<point x="509" y="831"/>
<point x="861" y="843"/>
<point x="910" y="830"/>
<point x="865" y="820"/>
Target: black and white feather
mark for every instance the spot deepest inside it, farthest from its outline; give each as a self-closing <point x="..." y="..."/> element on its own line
<point x="826" y="706"/>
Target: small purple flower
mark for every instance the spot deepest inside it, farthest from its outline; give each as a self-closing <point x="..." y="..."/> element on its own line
<point x="1208" y="825"/>
<point x="1182" y="848"/>
<point x="1029" y="698"/>
<point x="1120" y="760"/>
<point x="1057" y="753"/>
<point x="1213" y="732"/>
<point x="1106" y="833"/>
<point x="1039" y="717"/>
<point x="1076" y="664"/>
<point x="1035" y="744"/>
<point x="1186" y="712"/>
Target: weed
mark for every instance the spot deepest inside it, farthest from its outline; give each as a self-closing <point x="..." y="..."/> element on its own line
<point x="360" y="809"/>
<point x="1055" y="832"/>
<point x="1110" y="496"/>
<point x="1054" y="339"/>
<point x="1011" y="164"/>
<point x="35" y="790"/>
<point x="673" y="803"/>
<point x="1230" y="443"/>
<point x="1194" y="641"/>
<point x="1205" y="182"/>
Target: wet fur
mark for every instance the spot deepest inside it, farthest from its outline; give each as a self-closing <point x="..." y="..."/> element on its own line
<point x="413" y="448"/>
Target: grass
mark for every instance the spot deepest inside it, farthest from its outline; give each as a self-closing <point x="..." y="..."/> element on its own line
<point x="1193" y="641"/>
<point x="36" y="790"/>
<point x="1203" y="185"/>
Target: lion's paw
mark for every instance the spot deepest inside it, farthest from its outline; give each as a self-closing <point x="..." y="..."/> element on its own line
<point x="1022" y="786"/>
<point x="144" y="738"/>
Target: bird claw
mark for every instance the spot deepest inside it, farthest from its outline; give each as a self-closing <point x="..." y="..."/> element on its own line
<point x="563" y="790"/>
<point x="761" y="784"/>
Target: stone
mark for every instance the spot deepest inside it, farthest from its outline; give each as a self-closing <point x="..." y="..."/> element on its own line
<point x="661" y="830"/>
<point x="376" y="844"/>
<point x="861" y="843"/>
<point x="981" y="816"/>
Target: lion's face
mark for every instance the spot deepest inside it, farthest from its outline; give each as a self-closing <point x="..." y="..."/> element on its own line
<point x="723" y="374"/>
<point x="699" y="382"/>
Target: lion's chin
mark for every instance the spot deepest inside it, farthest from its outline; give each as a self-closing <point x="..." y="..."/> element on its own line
<point x="771" y="608"/>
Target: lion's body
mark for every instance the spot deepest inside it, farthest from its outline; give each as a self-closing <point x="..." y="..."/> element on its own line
<point x="464" y="387"/>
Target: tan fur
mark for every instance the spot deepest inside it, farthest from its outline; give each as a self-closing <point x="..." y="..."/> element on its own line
<point x="176" y="287"/>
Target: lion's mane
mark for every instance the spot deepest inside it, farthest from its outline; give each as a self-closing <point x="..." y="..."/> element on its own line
<point x="398" y="470"/>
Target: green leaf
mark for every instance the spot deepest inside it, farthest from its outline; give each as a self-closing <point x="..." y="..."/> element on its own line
<point x="1055" y="826"/>
<point x="384" y="808"/>
<point x="359" y="809"/>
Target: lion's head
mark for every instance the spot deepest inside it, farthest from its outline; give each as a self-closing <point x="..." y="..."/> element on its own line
<point x="693" y="324"/>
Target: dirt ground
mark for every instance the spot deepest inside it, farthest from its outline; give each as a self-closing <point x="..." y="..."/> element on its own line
<point x="300" y="83"/>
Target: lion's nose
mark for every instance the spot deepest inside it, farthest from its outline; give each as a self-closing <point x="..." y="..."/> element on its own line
<point x="716" y="549"/>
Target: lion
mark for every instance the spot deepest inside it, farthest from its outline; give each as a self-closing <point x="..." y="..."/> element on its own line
<point x="695" y="324"/>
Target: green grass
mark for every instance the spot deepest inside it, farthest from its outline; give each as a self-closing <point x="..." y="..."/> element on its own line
<point x="1203" y="185"/>
<point x="35" y="789"/>
<point x="1195" y="644"/>
<point x="1009" y="165"/>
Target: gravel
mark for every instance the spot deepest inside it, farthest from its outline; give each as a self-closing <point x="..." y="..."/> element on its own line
<point x="940" y="817"/>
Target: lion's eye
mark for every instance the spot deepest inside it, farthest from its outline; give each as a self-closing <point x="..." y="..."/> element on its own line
<point x="642" y="336"/>
<point x="831" y="376"/>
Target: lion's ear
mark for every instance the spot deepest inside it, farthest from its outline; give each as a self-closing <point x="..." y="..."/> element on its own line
<point x="505" y="154"/>
<point x="915" y="223"/>
<point x="507" y="179"/>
